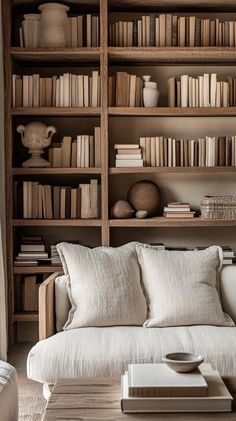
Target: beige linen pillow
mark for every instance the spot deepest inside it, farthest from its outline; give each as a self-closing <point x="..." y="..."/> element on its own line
<point x="181" y="287"/>
<point x="103" y="286"/>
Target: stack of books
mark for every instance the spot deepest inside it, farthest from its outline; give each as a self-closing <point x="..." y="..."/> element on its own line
<point x="67" y="90"/>
<point x="32" y="251"/>
<point x="128" y="155"/>
<point x="201" y="91"/>
<point x="55" y="258"/>
<point x="125" y="90"/>
<point x="157" y="388"/>
<point x="161" y="151"/>
<point x="83" y="31"/>
<point x="60" y="202"/>
<point x="228" y="254"/>
<point x="84" y="151"/>
<point x="166" y="30"/>
<point x="178" y="210"/>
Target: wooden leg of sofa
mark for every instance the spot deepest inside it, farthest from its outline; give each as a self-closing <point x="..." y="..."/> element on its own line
<point x="47" y="390"/>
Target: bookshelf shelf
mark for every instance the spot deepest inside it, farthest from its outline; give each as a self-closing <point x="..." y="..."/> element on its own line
<point x="171" y="223"/>
<point x="175" y="55"/>
<point x="56" y="171"/>
<point x="171" y="5"/>
<point x="170" y="170"/>
<point x="50" y="55"/>
<point x="57" y="222"/>
<point x="56" y="111"/>
<point x="173" y="111"/>
<point x="29" y="316"/>
<point x="24" y="270"/>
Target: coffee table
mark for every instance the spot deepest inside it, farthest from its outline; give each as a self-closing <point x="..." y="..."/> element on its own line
<point x="98" y="398"/>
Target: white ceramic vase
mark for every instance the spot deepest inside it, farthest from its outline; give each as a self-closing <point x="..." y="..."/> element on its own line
<point x="36" y="136"/>
<point x="150" y="93"/>
<point x="53" y="26"/>
<point x="30" y="21"/>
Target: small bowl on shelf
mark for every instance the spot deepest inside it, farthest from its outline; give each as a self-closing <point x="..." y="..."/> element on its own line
<point x="182" y="362"/>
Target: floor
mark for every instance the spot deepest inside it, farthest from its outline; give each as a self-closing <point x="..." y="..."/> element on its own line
<point x="31" y="400"/>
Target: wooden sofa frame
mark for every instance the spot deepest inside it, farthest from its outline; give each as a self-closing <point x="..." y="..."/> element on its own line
<point x="47" y="321"/>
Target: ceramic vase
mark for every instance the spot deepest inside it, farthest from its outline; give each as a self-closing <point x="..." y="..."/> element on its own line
<point x="150" y="93"/>
<point x="53" y="27"/>
<point x="36" y="136"/>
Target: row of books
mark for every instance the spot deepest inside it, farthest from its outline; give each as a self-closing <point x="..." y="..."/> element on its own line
<point x="157" y="388"/>
<point x="167" y="30"/>
<point x="203" y="152"/>
<point x="84" y="151"/>
<point x="59" y="202"/>
<point x="67" y="90"/>
<point x="201" y="91"/>
<point x="177" y="210"/>
<point x="125" y="90"/>
<point x="82" y="31"/>
<point x="128" y="155"/>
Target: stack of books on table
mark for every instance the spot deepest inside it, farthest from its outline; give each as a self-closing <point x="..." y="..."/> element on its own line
<point x="128" y="155"/>
<point x="228" y="254"/>
<point x="32" y="251"/>
<point x="178" y="210"/>
<point x="157" y="388"/>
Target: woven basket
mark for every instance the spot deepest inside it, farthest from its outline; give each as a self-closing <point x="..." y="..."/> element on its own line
<point x="218" y="207"/>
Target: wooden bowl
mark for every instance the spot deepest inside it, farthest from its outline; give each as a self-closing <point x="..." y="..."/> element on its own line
<point x="183" y="362"/>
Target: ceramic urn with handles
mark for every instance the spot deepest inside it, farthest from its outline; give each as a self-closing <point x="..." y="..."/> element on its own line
<point x="36" y="136"/>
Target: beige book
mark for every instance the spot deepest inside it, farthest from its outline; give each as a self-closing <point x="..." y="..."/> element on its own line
<point x="138" y="91"/>
<point x="79" y="151"/>
<point x="74" y="32"/>
<point x="130" y="34"/>
<point x="86" y="91"/>
<point x="30" y="293"/>
<point x="14" y="89"/>
<point x="206" y="90"/>
<point x="73" y="207"/>
<point x="122" y="92"/>
<point x="48" y="199"/>
<point x="86" y="151"/>
<point x="126" y="146"/>
<point x="89" y="30"/>
<point x="129" y="157"/>
<point x="157" y="33"/>
<point x="58" y="92"/>
<point x="218" y="94"/>
<point x="125" y="33"/>
<point x="63" y="203"/>
<point x="170" y="152"/>
<point x="80" y="31"/>
<point x="40" y="201"/>
<point x="213" y="82"/>
<point x="74" y="154"/>
<point x="182" y="152"/>
<point x="48" y="91"/>
<point x="82" y="151"/>
<point x="192" y="24"/>
<point x="157" y="150"/>
<point x="162" y="20"/>
<point x="184" y="91"/>
<point x="44" y="215"/>
<point x="35" y="200"/>
<point x="25" y="91"/>
<point x="94" y="89"/>
<point x="148" y="151"/>
<point x="190" y="92"/>
<point x="97" y="144"/>
<point x="73" y="90"/>
<point x="29" y="200"/>
<point x="117" y="34"/>
<point x="142" y="143"/>
<point x="193" y="92"/>
<point x="197" y="92"/>
<point x="161" y="152"/>
<point x="35" y="90"/>
<point x="68" y="32"/>
<point x="143" y="26"/>
<point x="178" y="93"/>
<point x="130" y="151"/>
<point x="124" y="163"/>
<point x="182" y="31"/>
<point x="80" y="90"/>
<point x="66" y="151"/>
<point x="91" y="151"/>
<point x="57" y="157"/>
<point x="120" y="34"/>
<point x="147" y="30"/>
<point x="93" y="190"/>
<point x="19" y="92"/>
<point x="153" y="151"/>
<point x="201" y="91"/>
<point x="171" y="92"/>
<point x="85" y="200"/>
<point x="169" y="27"/>
<point x="132" y="92"/>
<point x="225" y="94"/>
<point x="25" y="199"/>
<point x="61" y="91"/>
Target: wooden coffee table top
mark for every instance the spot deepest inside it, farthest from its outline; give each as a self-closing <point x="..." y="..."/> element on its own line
<point x="96" y="398"/>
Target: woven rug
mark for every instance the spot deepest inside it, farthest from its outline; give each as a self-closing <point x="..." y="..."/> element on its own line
<point x="31" y="400"/>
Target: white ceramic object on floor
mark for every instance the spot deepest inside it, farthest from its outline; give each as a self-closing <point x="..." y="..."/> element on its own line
<point x="183" y="362"/>
<point x="53" y="27"/>
<point x="36" y="136"/>
<point x="150" y="93"/>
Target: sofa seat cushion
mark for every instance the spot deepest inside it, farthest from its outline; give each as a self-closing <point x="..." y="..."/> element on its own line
<point x="108" y="351"/>
<point x="8" y="392"/>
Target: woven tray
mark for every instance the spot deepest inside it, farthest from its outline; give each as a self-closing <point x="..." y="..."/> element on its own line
<point x="218" y="207"/>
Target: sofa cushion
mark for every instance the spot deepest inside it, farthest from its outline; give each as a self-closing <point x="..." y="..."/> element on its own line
<point x="104" y="285"/>
<point x="8" y="392"/>
<point x="182" y="287"/>
<point x="62" y="302"/>
<point x="108" y="351"/>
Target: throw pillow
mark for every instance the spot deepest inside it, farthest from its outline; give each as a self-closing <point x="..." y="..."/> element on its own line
<point x="181" y="287"/>
<point x="104" y="286"/>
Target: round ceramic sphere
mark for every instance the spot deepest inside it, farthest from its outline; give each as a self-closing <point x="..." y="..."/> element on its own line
<point x="145" y="195"/>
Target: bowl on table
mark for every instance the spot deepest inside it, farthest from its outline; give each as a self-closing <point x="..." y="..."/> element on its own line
<point x="182" y="362"/>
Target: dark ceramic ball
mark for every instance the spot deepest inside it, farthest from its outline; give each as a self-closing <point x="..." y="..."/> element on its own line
<point x="145" y="195"/>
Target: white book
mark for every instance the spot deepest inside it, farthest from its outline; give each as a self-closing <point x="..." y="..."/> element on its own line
<point x="131" y="157"/>
<point x="157" y="139"/>
<point x="86" y="151"/>
<point x="61" y="91"/>
<point x="81" y="90"/>
<point x="200" y="91"/>
<point x="206" y="90"/>
<point x="89" y="30"/>
<point x="153" y="152"/>
<point x="184" y="90"/>
<point x="126" y="146"/>
<point x="213" y="89"/>
<point x="94" y="102"/>
<point x="170" y="152"/>
<point x="82" y="151"/>
<point x="66" y="88"/>
<point x="86" y="91"/>
<point x="176" y="209"/>
<point x="132" y="90"/>
<point x="218" y="399"/>
<point x="129" y="163"/>
<point x="79" y="150"/>
<point x="25" y="90"/>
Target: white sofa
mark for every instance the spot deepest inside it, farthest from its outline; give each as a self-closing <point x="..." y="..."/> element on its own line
<point x="107" y="351"/>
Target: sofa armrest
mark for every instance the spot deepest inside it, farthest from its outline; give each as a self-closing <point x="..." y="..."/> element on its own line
<point x="47" y="307"/>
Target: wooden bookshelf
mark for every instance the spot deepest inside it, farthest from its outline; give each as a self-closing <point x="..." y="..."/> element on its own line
<point x="105" y="57"/>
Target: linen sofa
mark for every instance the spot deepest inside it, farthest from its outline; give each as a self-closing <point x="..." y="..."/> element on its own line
<point x="106" y="351"/>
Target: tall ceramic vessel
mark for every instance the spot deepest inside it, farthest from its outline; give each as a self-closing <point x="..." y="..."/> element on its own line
<point x="36" y="136"/>
<point x="150" y="93"/>
<point x="53" y="27"/>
